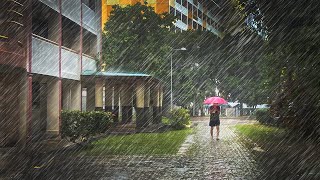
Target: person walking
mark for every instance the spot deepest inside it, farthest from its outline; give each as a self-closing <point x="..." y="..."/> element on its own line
<point x="214" y="119"/>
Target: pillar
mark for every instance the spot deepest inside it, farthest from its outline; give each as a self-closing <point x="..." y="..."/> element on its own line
<point x="140" y="116"/>
<point x="116" y="94"/>
<point x="126" y="103"/>
<point x="160" y="101"/>
<point x="156" y="104"/>
<point x="9" y="115"/>
<point x="99" y="95"/>
<point x="108" y="97"/>
<point x="66" y="96"/>
<point x="148" y="114"/>
<point x="76" y="96"/>
<point x="23" y="108"/>
<point x="53" y="107"/>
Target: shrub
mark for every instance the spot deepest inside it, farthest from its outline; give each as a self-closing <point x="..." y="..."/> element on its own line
<point x="264" y="117"/>
<point x="178" y="118"/>
<point x="81" y="125"/>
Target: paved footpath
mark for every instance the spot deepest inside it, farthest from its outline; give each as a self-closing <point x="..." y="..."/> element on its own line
<point x="227" y="158"/>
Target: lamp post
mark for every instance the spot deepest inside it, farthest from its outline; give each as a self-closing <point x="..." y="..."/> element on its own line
<point x="171" y="94"/>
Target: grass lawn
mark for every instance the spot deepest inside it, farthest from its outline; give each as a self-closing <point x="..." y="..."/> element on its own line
<point x="139" y="144"/>
<point x="260" y="133"/>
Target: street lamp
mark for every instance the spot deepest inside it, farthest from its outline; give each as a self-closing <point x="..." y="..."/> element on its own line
<point x="171" y="95"/>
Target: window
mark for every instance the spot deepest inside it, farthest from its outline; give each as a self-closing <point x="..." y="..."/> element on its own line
<point x="195" y="13"/>
<point x="195" y="2"/>
<point x="190" y="23"/>
<point x="178" y="15"/>
<point x="185" y="3"/>
<point x="178" y="1"/>
<point x="40" y="27"/>
<point x="194" y="25"/>
<point x="199" y="14"/>
<point x="184" y="19"/>
<point x="172" y="10"/>
<point x="90" y="3"/>
<point x="189" y="7"/>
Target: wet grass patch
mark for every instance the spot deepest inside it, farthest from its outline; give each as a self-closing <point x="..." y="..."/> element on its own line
<point x="166" y="143"/>
<point x="261" y="133"/>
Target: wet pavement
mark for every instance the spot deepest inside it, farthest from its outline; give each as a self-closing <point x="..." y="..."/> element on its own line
<point x="200" y="157"/>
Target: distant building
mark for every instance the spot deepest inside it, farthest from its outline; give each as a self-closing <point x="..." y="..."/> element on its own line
<point x="191" y="14"/>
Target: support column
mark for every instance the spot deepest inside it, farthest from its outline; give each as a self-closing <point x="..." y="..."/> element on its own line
<point x="160" y="101"/>
<point x="90" y="101"/>
<point x="108" y="96"/>
<point x="66" y="96"/>
<point x="99" y="95"/>
<point x="156" y="104"/>
<point x="53" y="107"/>
<point x="148" y="114"/>
<point x="140" y="116"/>
<point x="76" y="96"/>
<point x="116" y="103"/>
<point x="126" y="103"/>
<point x="24" y="110"/>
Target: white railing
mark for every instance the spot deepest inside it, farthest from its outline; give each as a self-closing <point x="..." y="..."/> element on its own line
<point x="70" y="64"/>
<point x="90" y="20"/>
<point x="45" y="56"/>
<point x="45" y="59"/>
<point x="88" y="63"/>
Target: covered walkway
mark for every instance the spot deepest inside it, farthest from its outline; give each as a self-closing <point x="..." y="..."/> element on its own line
<point x="123" y="94"/>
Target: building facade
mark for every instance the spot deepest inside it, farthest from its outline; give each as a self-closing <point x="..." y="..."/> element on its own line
<point x="190" y="14"/>
<point x="49" y="62"/>
<point x="45" y="46"/>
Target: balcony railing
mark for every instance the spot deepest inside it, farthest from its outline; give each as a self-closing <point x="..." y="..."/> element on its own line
<point x="45" y="59"/>
<point x="88" y="63"/>
<point x="70" y="64"/>
<point x="45" y="56"/>
<point x="51" y="3"/>
<point x="90" y="20"/>
<point x="71" y="9"/>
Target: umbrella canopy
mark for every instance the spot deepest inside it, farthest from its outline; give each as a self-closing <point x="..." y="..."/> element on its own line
<point x="215" y="100"/>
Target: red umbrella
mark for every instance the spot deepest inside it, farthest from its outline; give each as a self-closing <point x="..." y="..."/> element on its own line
<point x="215" y="100"/>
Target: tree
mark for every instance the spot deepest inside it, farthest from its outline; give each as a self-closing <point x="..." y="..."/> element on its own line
<point x="134" y="38"/>
<point x="289" y="67"/>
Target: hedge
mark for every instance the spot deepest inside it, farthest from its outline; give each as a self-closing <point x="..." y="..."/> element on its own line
<point x="82" y="125"/>
<point x="264" y="117"/>
<point x="178" y="119"/>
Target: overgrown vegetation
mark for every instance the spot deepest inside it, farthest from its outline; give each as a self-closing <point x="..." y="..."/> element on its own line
<point x="78" y="125"/>
<point x="139" y="144"/>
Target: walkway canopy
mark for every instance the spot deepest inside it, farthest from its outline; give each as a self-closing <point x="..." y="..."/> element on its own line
<point x="119" y="92"/>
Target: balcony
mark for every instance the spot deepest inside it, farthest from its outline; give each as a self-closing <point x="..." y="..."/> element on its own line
<point x="88" y="63"/>
<point x="45" y="56"/>
<point x="90" y="20"/>
<point x="51" y="3"/>
<point x="45" y="59"/>
<point x="70" y="64"/>
<point x="71" y="10"/>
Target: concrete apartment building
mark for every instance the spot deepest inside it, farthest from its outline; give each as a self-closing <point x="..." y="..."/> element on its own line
<point x="191" y="14"/>
<point x="44" y="47"/>
<point x="49" y="62"/>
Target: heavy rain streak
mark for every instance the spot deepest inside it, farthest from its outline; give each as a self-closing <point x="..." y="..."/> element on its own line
<point x="150" y="89"/>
